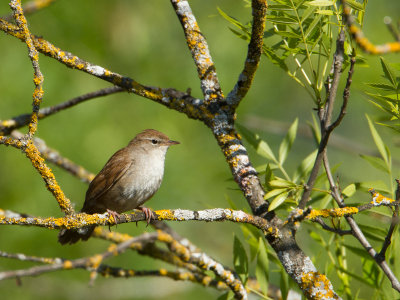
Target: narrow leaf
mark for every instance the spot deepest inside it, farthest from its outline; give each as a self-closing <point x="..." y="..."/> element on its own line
<point x="274" y="193"/>
<point x="321" y="3"/>
<point x="378" y="140"/>
<point x="382" y="86"/>
<point x="389" y="74"/>
<point x="305" y="167"/>
<point x="262" y="266"/>
<point x="287" y="142"/>
<point x="376" y="162"/>
<point x="355" y="5"/>
<point x="259" y="145"/>
<point x="278" y="200"/>
<point x="349" y="190"/>
<point x="240" y="261"/>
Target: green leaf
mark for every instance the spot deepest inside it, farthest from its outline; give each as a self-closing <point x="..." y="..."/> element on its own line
<point x="382" y="86"/>
<point x="258" y="144"/>
<point x="389" y="74"/>
<point x="268" y="176"/>
<point x="274" y="193"/>
<point x="307" y="13"/>
<point x="281" y="183"/>
<point x="312" y="26"/>
<point x="287" y="142"/>
<point x="282" y="20"/>
<point x="227" y="296"/>
<point x="279" y="7"/>
<point x="315" y="130"/>
<point x="376" y="162"/>
<point x="349" y="190"/>
<point x="262" y="266"/>
<point x="240" y="260"/>
<point x="373" y="230"/>
<point x="356" y="250"/>
<point x="284" y="284"/>
<point x="320" y="3"/>
<point x="378" y="141"/>
<point x="370" y="271"/>
<point x="278" y="200"/>
<point x="287" y="34"/>
<point x="251" y="237"/>
<point x="355" y="5"/>
<point x="305" y="167"/>
<point x="275" y="59"/>
<point x="230" y="19"/>
<point x="324" y="12"/>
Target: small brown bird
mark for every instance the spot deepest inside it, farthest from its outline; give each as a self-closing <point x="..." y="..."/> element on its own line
<point x="130" y="177"/>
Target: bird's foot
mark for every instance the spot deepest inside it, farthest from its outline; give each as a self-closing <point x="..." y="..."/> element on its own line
<point x="148" y="213"/>
<point x="115" y="215"/>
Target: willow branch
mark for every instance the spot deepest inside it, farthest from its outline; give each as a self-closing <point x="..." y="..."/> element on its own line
<point x="325" y="116"/>
<point x="7" y="126"/>
<point x="254" y="51"/>
<point x="199" y="49"/>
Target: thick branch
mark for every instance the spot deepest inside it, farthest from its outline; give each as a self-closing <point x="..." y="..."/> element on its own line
<point x="199" y="49"/>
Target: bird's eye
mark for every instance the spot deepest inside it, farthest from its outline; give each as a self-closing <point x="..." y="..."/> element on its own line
<point x="154" y="142"/>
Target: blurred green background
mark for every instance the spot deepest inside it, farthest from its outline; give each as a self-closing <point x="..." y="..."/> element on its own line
<point x="144" y="40"/>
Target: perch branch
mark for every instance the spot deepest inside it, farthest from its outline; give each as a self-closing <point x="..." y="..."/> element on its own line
<point x="254" y="51"/>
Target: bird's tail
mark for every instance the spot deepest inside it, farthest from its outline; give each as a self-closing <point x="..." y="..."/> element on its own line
<point x="70" y="236"/>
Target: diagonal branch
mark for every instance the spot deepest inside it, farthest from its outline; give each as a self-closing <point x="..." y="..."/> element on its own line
<point x="33" y="154"/>
<point x="7" y="126"/>
<point x="168" y="97"/>
<point x="199" y="49"/>
<point x="259" y="12"/>
<point x="325" y="115"/>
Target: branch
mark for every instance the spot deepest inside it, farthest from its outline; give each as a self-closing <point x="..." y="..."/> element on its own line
<point x="356" y="231"/>
<point x="168" y="97"/>
<point x="325" y="116"/>
<point x="81" y="219"/>
<point x="33" y="154"/>
<point x="199" y="49"/>
<point x="31" y="7"/>
<point x="361" y="40"/>
<point x="7" y="126"/>
<point x="34" y="57"/>
<point x="259" y="12"/>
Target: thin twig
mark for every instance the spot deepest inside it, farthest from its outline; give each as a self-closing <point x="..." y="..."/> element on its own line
<point x="325" y="116"/>
<point x="331" y="229"/>
<point x="7" y="126"/>
<point x="393" y="224"/>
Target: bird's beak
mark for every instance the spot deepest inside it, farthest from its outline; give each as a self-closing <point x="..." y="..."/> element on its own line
<point x="170" y="143"/>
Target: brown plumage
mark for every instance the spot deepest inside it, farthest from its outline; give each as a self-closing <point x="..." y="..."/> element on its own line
<point x="129" y="178"/>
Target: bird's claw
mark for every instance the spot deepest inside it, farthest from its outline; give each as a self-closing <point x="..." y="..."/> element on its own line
<point x="148" y="213"/>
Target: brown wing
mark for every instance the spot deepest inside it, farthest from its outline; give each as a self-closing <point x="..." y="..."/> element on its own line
<point x="113" y="170"/>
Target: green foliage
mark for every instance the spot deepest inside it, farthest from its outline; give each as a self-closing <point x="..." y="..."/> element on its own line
<point x="386" y="97"/>
<point x="300" y="40"/>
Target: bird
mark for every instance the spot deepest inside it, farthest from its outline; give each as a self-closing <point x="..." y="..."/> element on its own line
<point x="130" y="177"/>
